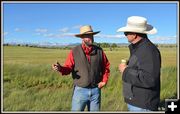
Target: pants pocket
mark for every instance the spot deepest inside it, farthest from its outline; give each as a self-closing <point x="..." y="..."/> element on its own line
<point x="127" y="90"/>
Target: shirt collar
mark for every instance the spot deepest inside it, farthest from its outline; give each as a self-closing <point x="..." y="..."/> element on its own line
<point x="86" y="49"/>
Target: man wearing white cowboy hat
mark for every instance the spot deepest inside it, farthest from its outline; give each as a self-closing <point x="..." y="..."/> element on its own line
<point x="141" y="75"/>
<point x="90" y="71"/>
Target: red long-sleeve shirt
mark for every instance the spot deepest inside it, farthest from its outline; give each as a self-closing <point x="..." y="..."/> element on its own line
<point x="69" y="63"/>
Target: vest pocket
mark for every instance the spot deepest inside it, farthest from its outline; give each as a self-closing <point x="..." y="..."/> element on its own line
<point x="127" y="90"/>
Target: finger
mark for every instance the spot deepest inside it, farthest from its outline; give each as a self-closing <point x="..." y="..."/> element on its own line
<point x="53" y="67"/>
<point x="57" y="63"/>
<point x="99" y="85"/>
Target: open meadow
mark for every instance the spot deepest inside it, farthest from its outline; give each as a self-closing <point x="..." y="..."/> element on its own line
<point x="29" y="83"/>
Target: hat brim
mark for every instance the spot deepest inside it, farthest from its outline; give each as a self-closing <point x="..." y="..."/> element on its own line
<point x="80" y="35"/>
<point x="149" y="30"/>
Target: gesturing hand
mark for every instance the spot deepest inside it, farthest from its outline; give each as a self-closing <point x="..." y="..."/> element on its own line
<point x="56" y="66"/>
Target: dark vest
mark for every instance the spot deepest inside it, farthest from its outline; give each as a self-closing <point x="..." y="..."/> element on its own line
<point x="84" y="73"/>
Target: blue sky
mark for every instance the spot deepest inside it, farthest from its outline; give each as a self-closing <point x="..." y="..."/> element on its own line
<point x="57" y="22"/>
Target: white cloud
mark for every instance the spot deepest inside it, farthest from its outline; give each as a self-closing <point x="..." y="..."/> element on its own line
<point x="41" y="30"/>
<point x="5" y="33"/>
<point x="76" y="26"/>
<point x="51" y="35"/>
<point x="164" y="39"/>
<point x="65" y="29"/>
<point x="109" y="36"/>
<point x="37" y="33"/>
<point x="17" y="30"/>
<point x="67" y="34"/>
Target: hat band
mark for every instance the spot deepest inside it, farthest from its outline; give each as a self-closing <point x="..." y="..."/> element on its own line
<point x="86" y="32"/>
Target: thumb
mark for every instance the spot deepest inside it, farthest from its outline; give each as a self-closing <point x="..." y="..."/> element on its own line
<point x="58" y="63"/>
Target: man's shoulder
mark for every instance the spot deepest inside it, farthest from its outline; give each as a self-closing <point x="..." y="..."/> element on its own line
<point x="151" y="46"/>
<point x="148" y="48"/>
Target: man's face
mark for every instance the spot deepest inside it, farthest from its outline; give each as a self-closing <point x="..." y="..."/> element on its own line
<point x="130" y="36"/>
<point x="87" y="39"/>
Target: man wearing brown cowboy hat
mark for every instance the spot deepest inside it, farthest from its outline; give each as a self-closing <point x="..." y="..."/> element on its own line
<point x="90" y="71"/>
<point x="141" y="76"/>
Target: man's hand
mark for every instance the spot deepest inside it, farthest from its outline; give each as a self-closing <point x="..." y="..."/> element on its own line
<point x="101" y="84"/>
<point x="122" y="67"/>
<point x="56" y="66"/>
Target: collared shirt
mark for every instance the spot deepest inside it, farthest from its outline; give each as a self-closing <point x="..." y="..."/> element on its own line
<point x="69" y="63"/>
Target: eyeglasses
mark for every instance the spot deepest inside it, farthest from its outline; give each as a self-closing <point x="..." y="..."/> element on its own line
<point x="127" y="33"/>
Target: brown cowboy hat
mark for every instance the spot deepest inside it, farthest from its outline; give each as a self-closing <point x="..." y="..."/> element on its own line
<point x="87" y="29"/>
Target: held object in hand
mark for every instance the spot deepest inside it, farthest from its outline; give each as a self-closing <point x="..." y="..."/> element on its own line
<point x="124" y="61"/>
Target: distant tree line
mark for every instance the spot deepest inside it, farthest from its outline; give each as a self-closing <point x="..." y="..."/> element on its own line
<point x="103" y="45"/>
<point x="111" y="46"/>
<point x="106" y="45"/>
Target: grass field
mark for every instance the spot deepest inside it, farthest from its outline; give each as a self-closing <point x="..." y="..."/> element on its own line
<point x="29" y="84"/>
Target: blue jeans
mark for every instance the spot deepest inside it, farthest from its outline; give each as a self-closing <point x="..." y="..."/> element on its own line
<point x="82" y="97"/>
<point x="136" y="109"/>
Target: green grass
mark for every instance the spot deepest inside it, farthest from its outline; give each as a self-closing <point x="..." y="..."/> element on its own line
<point x="29" y="84"/>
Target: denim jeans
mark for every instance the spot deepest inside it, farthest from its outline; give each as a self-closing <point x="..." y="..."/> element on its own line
<point x="136" y="109"/>
<point x="82" y="97"/>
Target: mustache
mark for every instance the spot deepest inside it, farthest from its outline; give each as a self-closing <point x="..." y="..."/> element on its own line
<point x="88" y="43"/>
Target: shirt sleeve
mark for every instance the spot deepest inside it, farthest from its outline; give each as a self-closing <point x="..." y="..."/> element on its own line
<point x="106" y="70"/>
<point x="68" y="65"/>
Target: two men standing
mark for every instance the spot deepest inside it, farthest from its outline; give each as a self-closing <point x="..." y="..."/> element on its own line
<point x="90" y="69"/>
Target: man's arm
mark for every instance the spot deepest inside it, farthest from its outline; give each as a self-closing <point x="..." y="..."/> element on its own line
<point x="146" y="75"/>
<point x="68" y="65"/>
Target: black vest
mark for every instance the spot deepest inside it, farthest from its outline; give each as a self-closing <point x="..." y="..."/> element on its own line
<point x="84" y="73"/>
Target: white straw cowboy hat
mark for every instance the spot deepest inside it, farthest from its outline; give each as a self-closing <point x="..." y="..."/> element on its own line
<point x="87" y="29"/>
<point x="138" y="24"/>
